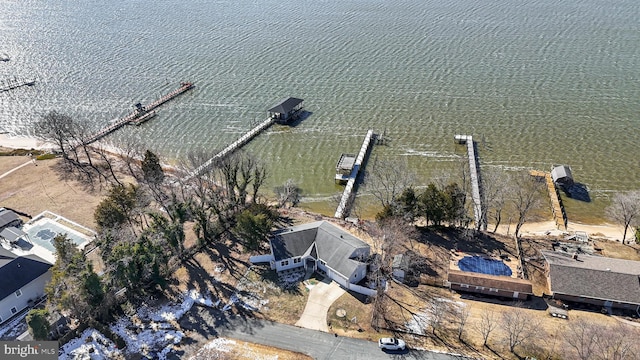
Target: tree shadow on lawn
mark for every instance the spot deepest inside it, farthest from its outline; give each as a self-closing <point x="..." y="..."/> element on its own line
<point x="465" y="240"/>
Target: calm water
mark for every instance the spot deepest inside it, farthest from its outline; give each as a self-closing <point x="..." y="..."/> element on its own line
<point x="538" y="82"/>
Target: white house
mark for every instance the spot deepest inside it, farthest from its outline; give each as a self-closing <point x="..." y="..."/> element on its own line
<point x="22" y="282"/>
<point x="322" y="247"/>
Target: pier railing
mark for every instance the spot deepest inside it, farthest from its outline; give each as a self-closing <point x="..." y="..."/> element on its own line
<point x="347" y="194"/>
<point x="559" y="214"/>
<point x="136" y="116"/>
<point x="232" y="147"/>
<point x="474" y="173"/>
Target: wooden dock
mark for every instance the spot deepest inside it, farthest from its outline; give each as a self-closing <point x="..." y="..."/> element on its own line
<point x="140" y="115"/>
<point x="233" y="147"/>
<point x="347" y="195"/>
<point x="474" y="174"/>
<point x="559" y="214"/>
<point x="15" y="83"/>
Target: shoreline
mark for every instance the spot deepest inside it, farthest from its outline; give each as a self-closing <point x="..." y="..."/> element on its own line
<point x="9" y="141"/>
<point x="539" y="228"/>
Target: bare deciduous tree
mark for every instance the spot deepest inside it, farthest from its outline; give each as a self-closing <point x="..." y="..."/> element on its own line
<point x="439" y="310"/>
<point x="288" y="194"/>
<point x="617" y="342"/>
<point x="525" y="196"/>
<point x="625" y="210"/>
<point x="387" y="179"/>
<point x="488" y="324"/>
<point x="495" y="194"/>
<point x="518" y="327"/>
<point x="461" y="315"/>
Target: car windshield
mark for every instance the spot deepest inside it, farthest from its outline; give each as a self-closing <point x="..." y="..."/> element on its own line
<point x="390" y="341"/>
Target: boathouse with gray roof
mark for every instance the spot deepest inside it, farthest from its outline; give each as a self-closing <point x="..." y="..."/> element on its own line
<point x="323" y="247"/>
<point x="287" y="110"/>
<point x="595" y="280"/>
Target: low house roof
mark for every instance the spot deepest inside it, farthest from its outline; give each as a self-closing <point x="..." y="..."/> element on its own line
<point x="18" y="271"/>
<point x="12" y="233"/>
<point x="286" y="105"/>
<point x="595" y="277"/>
<point x="491" y="281"/>
<point x="333" y="245"/>
<point x="7" y="217"/>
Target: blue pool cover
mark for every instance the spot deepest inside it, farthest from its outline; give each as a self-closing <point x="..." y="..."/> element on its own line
<point x="478" y="264"/>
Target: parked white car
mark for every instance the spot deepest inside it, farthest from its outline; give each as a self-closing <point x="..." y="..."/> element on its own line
<point x="391" y="344"/>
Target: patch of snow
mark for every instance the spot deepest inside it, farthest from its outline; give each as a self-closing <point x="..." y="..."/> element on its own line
<point x="219" y="345"/>
<point x="91" y="344"/>
<point x="418" y="323"/>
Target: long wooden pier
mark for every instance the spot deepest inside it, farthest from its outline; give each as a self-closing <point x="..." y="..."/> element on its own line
<point x="14" y="84"/>
<point x="139" y="115"/>
<point x="559" y="214"/>
<point x="347" y="194"/>
<point x="232" y="147"/>
<point x="474" y="174"/>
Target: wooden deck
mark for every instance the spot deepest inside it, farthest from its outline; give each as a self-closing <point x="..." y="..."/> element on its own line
<point x="137" y="117"/>
<point x="559" y="215"/>
<point x="474" y="174"/>
<point x="347" y="194"/>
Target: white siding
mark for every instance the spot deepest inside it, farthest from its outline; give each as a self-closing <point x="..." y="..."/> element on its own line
<point x="288" y="264"/>
<point x="32" y="290"/>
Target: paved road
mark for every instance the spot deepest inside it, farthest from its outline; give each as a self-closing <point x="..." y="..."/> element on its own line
<point x="317" y="344"/>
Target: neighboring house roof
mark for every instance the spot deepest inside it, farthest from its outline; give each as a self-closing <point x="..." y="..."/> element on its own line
<point x="401" y="262"/>
<point x="18" y="271"/>
<point x="286" y="105"/>
<point x="490" y="281"/>
<point x="7" y="217"/>
<point x="12" y="234"/>
<point x="595" y="277"/>
<point x="332" y="245"/>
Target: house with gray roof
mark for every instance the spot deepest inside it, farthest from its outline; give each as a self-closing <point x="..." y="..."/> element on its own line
<point x="9" y="218"/>
<point x="22" y="282"/>
<point x="595" y="280"/>
<point x="323" y="247"/>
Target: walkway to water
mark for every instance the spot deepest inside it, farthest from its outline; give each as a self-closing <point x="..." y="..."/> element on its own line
<point x="474" y="174"/>
<point x="139" y="115"/>
<point x="233" y="147"/>
<point x="347" y="195"/>
<point x="14" y="84"/>
<point x="559" y="215"/>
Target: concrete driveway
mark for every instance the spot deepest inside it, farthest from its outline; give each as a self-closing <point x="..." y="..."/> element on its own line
<point x="321" y="296"/>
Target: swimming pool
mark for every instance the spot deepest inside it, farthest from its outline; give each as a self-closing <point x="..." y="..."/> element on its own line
<point x="44" y="230"/>
<point x="479" y="264"/>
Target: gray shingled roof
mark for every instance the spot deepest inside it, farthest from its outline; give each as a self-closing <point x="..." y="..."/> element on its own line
<point x="18" y="271"/>
<point x="12" y="233"/>
<point x="333" y="245"/>
<point x="7" y="217"/>
<point x="595" y="277"/>
<point x="286" y="105"/>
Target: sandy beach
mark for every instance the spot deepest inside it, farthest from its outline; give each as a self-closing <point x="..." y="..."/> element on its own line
<point x="22" y="142"/>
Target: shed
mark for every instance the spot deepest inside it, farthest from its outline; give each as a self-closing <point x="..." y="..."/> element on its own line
<point x="287" y="110"/>
<point x="400" y="267"/>
<point x="561" y="175"/>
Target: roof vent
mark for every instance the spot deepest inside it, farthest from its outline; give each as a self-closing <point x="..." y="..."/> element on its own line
<point x="575" y="256"/>
<point x="607" y="269"/>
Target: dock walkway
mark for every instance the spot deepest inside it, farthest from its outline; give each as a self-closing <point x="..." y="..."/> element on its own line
<point x="137" y="117"/>
<point x="559" y="215"/>
<point x="347" y="194"/>
<point x="233" y="147"/>
<point x="14" y="84"/>
<point x="474" y="172"/>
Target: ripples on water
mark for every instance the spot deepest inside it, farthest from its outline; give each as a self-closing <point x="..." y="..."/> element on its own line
<point x="540" y="82"/>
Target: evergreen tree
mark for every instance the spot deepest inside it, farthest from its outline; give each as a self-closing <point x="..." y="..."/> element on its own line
<point x="38" y="321"/>
<point x="153" y="173"/>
